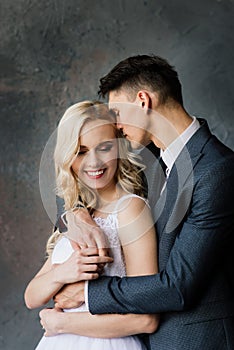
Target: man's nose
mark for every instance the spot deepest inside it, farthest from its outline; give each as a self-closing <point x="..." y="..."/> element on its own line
<point x="119" y="125"/>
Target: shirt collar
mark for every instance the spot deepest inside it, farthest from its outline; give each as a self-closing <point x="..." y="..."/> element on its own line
<point x="171" y="153"/>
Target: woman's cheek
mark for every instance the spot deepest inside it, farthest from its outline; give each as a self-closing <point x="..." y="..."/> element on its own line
<point x="113" y="164"/>
<point x="76" y="166"/>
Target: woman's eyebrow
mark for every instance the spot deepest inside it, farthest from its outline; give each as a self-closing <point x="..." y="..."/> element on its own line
<point x="105" y="142"/>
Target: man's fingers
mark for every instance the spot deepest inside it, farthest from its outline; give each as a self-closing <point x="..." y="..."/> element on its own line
<point x="83" y="230"/>
<point x="83" y="238"/>
<point x="58" y="309"/>
<point x="56" y="305"/>
<point x="75" y="236"/>
<point x="70" y="303"/>
<point x="99" y="237"/>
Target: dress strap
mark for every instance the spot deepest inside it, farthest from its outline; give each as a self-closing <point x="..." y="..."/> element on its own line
<point x="128" y="196"/>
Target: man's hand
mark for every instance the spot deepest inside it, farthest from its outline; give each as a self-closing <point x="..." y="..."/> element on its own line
<point x="51" y="321"/>
<point x="83" y="230"/>
<point x="70" y="296"/>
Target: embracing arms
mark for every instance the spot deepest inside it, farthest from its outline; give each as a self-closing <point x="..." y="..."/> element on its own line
<point x="201" y="249"/>
<point x="141" y="258"/>
<point x="82" y="265"/>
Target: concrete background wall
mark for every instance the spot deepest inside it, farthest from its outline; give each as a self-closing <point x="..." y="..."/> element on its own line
<point x="53" y="53"/>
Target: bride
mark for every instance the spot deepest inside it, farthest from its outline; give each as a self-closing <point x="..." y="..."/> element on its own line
<point x="96" y="169"/>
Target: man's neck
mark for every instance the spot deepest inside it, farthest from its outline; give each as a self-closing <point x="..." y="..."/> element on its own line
<point x="167" y="124"/>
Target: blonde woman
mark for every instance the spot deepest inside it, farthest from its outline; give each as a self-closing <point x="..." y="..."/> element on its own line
<point x="95" y="168"/>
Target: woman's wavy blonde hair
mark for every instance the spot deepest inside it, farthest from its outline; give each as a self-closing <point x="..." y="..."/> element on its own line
<point x="69" y="186"/>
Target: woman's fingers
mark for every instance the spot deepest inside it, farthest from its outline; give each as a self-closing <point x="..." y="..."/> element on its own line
<point x="96" y="259"/>
<point x="88" y="276"/>
<point x="79" y="265"/>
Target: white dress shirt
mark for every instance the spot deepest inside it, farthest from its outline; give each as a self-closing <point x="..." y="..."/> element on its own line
<point x="170" y="154"/>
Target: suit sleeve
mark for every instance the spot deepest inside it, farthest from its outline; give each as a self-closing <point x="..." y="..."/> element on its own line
<point x="60" y="210"/>
<point x="196" y="254"/>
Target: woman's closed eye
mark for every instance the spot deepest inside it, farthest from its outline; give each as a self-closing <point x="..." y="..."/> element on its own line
<point x="105" y="147"/>
<point x="102" y="147"/>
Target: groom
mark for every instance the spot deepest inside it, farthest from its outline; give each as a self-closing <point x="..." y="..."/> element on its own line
<point x="193" y="210"/>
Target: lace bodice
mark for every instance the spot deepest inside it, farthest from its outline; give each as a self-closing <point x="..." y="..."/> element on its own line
<point x="109" y="226"/>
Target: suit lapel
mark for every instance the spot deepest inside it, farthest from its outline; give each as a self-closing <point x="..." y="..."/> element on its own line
<point x="177" y="194"/>
<point x="173" y="204"/>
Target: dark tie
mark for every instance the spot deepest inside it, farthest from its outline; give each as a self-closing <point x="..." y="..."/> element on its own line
<point x="163" y="166"/>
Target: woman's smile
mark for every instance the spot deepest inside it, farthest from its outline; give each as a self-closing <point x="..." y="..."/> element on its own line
<point x="95" y="174"/>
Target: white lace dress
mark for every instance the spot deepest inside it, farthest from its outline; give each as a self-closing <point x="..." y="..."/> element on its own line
<point x="61" y="253"/>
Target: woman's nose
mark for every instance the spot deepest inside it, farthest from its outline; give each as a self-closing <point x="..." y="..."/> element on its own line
<point x="92" y="159"/>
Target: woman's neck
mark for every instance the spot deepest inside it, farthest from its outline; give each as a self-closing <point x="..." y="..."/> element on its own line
<point x="107" y="198"/>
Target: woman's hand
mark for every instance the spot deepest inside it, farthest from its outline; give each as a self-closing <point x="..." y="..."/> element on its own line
<point x="51" y="321"/>
<point x="83" y="264"/>
<point x="55" y="322"/>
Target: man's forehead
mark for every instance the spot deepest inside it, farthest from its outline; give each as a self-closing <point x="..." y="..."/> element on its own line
<point x="118" y="97"/>
<point x="118" y="105"/>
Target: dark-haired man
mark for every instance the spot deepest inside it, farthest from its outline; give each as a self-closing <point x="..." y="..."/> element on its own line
<point x="193" y="210"/>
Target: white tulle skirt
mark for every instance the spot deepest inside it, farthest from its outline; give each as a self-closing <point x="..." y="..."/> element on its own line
<point x="76" y="342"/>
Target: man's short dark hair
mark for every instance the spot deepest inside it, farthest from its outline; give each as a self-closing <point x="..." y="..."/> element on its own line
<point x="143" y="71"/>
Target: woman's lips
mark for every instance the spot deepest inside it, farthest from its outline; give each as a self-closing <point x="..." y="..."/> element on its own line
<point x="95" y="174"/>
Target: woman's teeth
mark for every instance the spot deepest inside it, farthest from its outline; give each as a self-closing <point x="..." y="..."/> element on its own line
<point x="95" y="173"/>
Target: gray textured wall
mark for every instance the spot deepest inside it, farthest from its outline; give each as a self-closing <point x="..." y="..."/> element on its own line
<point x="52" y="54"/>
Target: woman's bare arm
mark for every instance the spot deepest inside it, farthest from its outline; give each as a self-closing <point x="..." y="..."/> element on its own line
<point x="81" y="265"/>
<point x="97" y="326"/>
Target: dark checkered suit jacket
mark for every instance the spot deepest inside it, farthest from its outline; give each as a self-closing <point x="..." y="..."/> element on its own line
<point x="194" y="291"/>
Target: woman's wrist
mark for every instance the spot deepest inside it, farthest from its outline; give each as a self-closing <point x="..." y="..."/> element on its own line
<point x="56" y="275"/>
<point x="65" y="323"/>
<point x="60" y="322"/>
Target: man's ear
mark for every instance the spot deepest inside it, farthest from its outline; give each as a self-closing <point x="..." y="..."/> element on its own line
<point x="147" y="99"/>
<point x="143" y="99"/>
